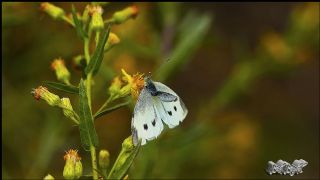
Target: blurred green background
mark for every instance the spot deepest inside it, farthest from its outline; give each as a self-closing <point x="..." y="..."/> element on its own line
<point x="248" y="73"/>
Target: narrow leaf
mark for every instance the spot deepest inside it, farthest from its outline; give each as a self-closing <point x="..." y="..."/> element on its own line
<point x="110" y="109"/>
<point x="77" y="23"/>
<point x="124" y="161"/>
<point x="97" y="57"/>
<point x="62" y="87"/>
<point x="88" y="133"/>
<point x="189" y="41"/>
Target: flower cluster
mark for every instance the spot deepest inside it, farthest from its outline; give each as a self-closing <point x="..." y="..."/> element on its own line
<point x="54" y="100"/>
<point x="133" y="86"/>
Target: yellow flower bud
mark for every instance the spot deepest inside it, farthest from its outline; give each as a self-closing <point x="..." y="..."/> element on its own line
<point x="115" y="87"/>
<point x="69" y="170"/>
<point x="78" y="169"/>
<point x="127" y="144"/>
<point x="67" y="109"/>
<point x="125" y="14"/>
<point x="48" y="177"/>
<point x="104" y="159"/>
<point x="96" y="19"/>
<point x="125" y="90"/>
<point x="73" y="167"/>
<point x="79" y="62"/>
<point x="112" y="40"/>
<point x="62" y="72"/>
<point x="43" y="93"/>
<point x="52" y="10"/>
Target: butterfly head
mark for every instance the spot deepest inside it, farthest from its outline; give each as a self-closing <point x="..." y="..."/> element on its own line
<point x="147" y="79"/>
<point x="148" y="83"/>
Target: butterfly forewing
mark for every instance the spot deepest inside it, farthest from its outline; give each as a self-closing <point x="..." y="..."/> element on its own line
<point x="171" y="112"/>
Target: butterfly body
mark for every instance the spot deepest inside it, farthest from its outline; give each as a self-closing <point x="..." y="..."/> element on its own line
<point x="156" y="103"/>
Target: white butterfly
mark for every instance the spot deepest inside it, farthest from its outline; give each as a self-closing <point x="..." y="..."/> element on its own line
<point x="156" y="103"/>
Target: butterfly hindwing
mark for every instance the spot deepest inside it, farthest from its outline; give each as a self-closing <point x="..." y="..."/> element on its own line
<point x="146" y="123"/>
<point x="172" y="110"/>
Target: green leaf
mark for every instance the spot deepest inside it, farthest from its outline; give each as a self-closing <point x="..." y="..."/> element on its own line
<point x="88" y="133"/>
<point x="193" y="31"/>
<point x="62" y="87"/>
<point x="77" y="23"/>
<point x="124" y="160"/>
<point x="110" y="109"/>
<point x="97" y="57"/>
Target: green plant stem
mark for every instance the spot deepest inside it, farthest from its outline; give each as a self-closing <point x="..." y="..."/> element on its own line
<point x="105" y="103"/>
<point x="87" y="57"/>
<point x="88" y="84"/>
<point x="97" y="36"/>
<point x="86" y="50"/>
<point x="94" y="162"/>
<point x="88" y="87"/>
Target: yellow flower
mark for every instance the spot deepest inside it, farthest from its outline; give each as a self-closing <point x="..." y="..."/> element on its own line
<point x="72" y="154"/>
<point x="73" y="166"/>
<point x="96" y="17"/>
<point x="135" y="84"/>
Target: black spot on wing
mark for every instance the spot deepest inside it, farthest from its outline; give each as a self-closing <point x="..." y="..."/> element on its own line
<point x="175" y="108"/>
<point x="170" y="113"/>
<point x="154" y="122"/>
<point x="145" y="126"/>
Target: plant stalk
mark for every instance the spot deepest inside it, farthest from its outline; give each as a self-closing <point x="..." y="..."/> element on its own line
<point x="94" y="162"/>
<point x="105" y="104"/>
<point x="88" y="87"/>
